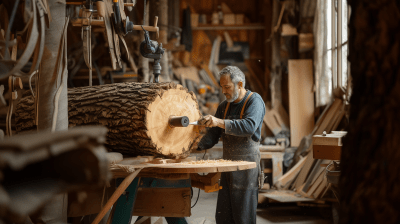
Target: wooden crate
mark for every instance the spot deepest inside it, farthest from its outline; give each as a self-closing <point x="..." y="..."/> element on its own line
<point x="164" y="202"/>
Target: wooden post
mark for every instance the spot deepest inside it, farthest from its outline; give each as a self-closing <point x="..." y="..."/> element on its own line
<point x="162" y="12"/>
<point x="276" y="73"/>
<point x="268" y="59"/>
<point x="144" y="62"/>
<point x="49" y="82"/>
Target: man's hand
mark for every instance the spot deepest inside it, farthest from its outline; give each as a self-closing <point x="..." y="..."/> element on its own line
<point x="211" y="121"/>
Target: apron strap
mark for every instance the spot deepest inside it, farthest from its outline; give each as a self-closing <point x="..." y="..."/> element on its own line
<point x="226" y="109"/>
<point x="244" y="105"/>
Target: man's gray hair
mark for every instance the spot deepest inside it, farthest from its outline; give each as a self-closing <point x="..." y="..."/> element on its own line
<point x="236" y="74"/>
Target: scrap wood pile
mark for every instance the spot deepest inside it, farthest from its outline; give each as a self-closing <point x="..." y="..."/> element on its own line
<point x="307" y="176"/>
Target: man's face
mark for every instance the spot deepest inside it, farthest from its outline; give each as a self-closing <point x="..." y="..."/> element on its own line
<point x="229" y="89"/>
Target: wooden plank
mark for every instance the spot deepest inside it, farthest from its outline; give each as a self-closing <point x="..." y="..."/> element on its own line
<point x="320" y="169"/>
<point x="214" y="57"/>
<point x="225" y="8"/>
<point x="283" y="115"/>
<point x="109" y="33"/>
<point x="231" y="27"/>
<point x="114" y="197"/>
<point x="286" y="179"/>
<point x="271" y="122"/>
<point x="320" y="188"/>
<point x="228" y="39"/>
<point x="314" y="172"/>
<point x="324" y="122"/>
<point x="188" y="73"/>
<point x="164" y="202"/>
<point x="284" y="196"/>
<point x="301" y="99"/>
<point x="256" y="83"/>
<point x="325" y="190"/>
<point x="316" y="184"/>
<point x="304" y="171"/>
<point x="205" y="67"/>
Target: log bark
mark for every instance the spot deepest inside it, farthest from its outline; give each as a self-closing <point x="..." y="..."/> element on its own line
<point x="136" y="115"/>
<point x="369" y="183"/>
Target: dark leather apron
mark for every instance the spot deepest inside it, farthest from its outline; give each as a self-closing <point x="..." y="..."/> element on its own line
<point x="237" y="200"/>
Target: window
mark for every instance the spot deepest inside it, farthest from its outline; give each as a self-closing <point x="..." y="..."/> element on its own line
<point x="337" y="16"/>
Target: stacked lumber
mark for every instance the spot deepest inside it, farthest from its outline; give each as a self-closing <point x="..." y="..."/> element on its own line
<point x="307" y="176"/>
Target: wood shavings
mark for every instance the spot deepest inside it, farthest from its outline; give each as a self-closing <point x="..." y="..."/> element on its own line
<point x="125" y="168"/>
<point x="211" y="162"/>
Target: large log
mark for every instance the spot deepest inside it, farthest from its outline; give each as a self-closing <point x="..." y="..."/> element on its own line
<point x="136" y="115"/>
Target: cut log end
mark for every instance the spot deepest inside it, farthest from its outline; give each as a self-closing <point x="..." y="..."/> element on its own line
<point x="172" y="141"/>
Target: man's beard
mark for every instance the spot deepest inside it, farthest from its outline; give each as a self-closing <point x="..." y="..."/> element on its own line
<point x="235" y="95"/>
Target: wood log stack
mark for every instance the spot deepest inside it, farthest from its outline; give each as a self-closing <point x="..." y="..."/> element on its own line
<point x="136" y="115"/>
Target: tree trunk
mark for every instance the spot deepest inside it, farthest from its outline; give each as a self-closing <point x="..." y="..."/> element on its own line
<point x="369" y="184"/>
<point x="136" y="115"/>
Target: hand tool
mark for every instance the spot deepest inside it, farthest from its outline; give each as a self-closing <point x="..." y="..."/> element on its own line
<point x="180" y="121"/>
<point x="194" y="123"/>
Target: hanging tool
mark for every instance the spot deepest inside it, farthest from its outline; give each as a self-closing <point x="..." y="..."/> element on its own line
<point x="122" y="27"/>
<point x="14" y="84"/>
<point x="87" y="38"/>
<point x="152" y="49"/>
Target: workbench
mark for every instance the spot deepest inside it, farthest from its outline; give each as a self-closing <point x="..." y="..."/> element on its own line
<point x="145" y="186"/>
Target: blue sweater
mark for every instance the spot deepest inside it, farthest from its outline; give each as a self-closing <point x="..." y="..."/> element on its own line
<point x="250" y="125"/>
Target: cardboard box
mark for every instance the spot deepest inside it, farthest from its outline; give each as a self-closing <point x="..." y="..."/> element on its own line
<point x="194" y="19"/>
<point x="215" y="19"/>
<point x="229" y="19"/>
<point x="239" y="19"/>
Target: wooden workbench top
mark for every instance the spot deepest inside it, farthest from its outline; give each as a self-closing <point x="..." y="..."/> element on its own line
<point x="165" y="166"/>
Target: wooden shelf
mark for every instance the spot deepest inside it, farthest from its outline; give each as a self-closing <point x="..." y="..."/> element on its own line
<point x="253" y="26"/>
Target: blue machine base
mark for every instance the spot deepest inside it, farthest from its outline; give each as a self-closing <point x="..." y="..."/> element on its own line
<point x="125" y="203"/>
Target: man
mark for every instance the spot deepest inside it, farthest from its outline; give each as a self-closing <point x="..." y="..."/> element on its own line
<point x="238" y="120"/>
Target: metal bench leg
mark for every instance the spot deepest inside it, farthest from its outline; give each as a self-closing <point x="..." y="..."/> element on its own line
<point x="176" y="220"/>
<point x="125" y="203"/>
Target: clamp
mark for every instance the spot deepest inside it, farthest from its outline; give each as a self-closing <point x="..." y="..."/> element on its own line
<point x="152" y="49"/>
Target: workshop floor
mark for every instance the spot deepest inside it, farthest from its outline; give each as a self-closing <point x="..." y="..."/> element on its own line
<point x="204" y="212"/>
